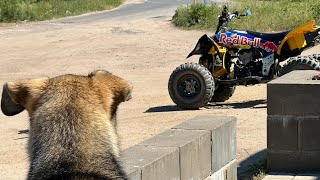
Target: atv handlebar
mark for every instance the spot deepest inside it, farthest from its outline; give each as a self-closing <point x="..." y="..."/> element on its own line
<point x="226" y="16"/>
<point x="235" y="15"/>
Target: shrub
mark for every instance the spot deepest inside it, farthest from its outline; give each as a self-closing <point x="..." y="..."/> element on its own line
<point x="196" y="15"/>
<point x="36" y="10"/>
<point x="268" y="15"/>
<point x="315" y="8"/>
<point x="8" y="10"/>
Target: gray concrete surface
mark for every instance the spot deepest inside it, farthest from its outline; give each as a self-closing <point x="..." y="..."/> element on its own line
<point x="294" y="94"/>
<point x="156" y="9"/>
<point x="282" y="133"/>
<point x="275" y="176"/>
<point x="134" y="173"/>
<point x="195" y="149"/>
<point x="228" y="172"/>
<point x="293" y="136"/>
<point x="223" y="131"/>
<point x="155" y="162"/>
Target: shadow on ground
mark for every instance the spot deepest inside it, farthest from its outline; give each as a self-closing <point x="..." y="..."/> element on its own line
<point x="24" y="131"/>
<point x="261" y="103"/>
<point x="254" y="165"/>
<point x="164" y="109"/>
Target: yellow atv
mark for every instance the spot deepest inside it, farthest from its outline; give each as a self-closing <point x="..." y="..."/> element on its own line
<point x="235" y="57"/>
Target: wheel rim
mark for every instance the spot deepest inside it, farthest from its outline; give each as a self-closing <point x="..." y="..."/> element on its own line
<point x="189" y="86"/>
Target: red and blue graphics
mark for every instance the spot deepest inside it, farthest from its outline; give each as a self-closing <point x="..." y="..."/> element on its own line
<point x="235" y="39"/>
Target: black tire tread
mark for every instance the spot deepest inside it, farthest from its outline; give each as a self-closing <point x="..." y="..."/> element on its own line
<point x="310" y="62"/>
<point x="205" y="73"/>
<point x="223" y="93"/>
<point x="315" y="57"/>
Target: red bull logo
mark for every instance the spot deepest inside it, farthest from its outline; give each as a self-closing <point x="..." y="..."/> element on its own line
<point x="243" y="40"/>
<point x="269" y="46"/>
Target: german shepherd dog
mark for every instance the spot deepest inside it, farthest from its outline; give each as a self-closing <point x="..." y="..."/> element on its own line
<point x="72" y="124"/>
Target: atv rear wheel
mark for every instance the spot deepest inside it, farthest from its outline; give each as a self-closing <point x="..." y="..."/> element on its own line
<point x="223" y="93"/>
<point x="310" y="62"/>
<point x="315" y="57"/>
<point x="191" y="86"/>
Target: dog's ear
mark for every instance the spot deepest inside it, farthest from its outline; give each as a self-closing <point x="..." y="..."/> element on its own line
<point x="121" y="88"/>
<point x="21" y="94"/>
<point x="8" y="106"/>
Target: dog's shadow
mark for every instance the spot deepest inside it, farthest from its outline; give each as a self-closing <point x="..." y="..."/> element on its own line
<point x="164" y="109"/>
<point x="26" y="131"/>
<point x="23" y="132"/>
<point x="261" y="103"/>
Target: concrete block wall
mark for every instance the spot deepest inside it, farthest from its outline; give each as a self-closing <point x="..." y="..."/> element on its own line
<point x="203" y="147"/>
<point x="293" y="123"/>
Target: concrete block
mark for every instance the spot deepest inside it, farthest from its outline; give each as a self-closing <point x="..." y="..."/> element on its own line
<point x="293" y="121"/>
<point x="222" y="152"/>
<point x="307" y="177"/>
<point x="282" y="133"/>
<point x="293" y="94"/>
<point x="195" y="150"/>
<point x="292" y="161"/>
<point x="133" y="173"/>
<point x="310" y="134"/>
<point x="205" y="122"/>
<point x="156" y="163"/>
<point x="223" y="131"/>
<point x="228" y="172"/>
<point x="231" y="171"/>
<point x="278" y="177"/>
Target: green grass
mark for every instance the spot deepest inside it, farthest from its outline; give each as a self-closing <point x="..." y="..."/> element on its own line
<point x="256" y="171"/>
<point x="38" y="10"/>
<point x="267" y="15"/>
<point x="196" y="16"/>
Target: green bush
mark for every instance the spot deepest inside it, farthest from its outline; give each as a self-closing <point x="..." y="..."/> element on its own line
<point x="267" y="15"/>
<point x="315" y="8"/>
<point x="37" y="10"/>
<point x="8" y="10"/>
<point x="196" y="15"/>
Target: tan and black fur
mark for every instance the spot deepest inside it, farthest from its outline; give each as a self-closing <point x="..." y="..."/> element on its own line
<point x="72" y="124"/>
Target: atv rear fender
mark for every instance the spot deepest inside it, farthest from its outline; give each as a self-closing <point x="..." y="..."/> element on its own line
<point x="297" y="38"/>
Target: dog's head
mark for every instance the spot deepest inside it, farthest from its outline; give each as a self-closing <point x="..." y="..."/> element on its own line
<point x="26" y="94"/>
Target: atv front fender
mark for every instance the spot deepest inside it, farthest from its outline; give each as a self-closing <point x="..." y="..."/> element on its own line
<point x="205" y="45"/>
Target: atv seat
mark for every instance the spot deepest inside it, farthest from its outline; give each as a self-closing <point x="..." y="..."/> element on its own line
<point x="273" y="37"/>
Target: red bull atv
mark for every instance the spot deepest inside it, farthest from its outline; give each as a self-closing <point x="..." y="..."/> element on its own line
<point x="233" y="57"/>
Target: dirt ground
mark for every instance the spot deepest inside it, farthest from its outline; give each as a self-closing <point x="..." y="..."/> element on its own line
<point x="144" y="51"/>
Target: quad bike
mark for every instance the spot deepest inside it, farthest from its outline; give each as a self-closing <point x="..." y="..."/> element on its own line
<point x="233" y="57"/>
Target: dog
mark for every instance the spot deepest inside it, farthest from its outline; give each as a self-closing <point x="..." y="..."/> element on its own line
<point x="72" y="124"/>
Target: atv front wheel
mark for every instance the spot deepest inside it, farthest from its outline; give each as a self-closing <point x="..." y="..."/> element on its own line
<point x="223" y="93"/>
<point x="300" y="63"/>
<point x="191" y="86"/>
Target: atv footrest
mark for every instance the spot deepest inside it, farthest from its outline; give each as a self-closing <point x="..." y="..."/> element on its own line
<point x="251" y="80"/>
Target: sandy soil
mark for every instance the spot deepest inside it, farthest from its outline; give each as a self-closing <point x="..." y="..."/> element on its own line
<point x="144" y="51"/>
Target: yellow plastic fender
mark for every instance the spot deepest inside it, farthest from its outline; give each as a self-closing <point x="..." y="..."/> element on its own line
<point x="219" y="72"/>
<point x="296" y="37"/>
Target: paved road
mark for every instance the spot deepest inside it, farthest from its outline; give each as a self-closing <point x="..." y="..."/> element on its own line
<point x="135" y="9"/>
<point x="132" y="10"/>
<point x="140" y="9"/>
